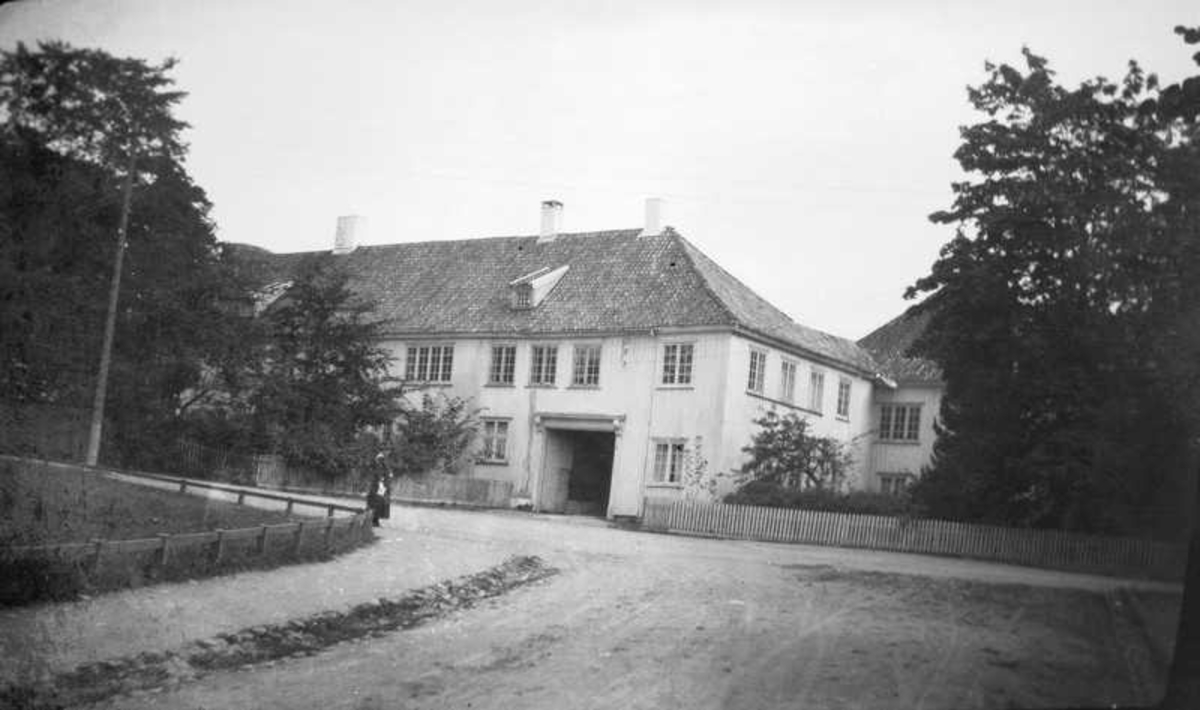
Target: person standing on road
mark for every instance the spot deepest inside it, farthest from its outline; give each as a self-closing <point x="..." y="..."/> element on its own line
<point x="379" y="492"/>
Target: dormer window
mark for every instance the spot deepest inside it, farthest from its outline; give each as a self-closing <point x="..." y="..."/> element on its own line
<point x="531" y="289"/>
<point x="523" y="296"/>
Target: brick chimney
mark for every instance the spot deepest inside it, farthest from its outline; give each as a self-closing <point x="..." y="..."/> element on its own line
<point x="551" y="221"/>
<point x="349" y="229"/>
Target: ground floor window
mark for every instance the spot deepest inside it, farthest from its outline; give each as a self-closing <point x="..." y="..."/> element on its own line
<point x="668" y="460"/>
<point x="495" y="441"/>
<point x="893" y="484"/>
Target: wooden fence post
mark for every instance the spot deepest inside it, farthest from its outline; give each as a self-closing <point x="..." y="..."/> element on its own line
<point x="99" y="544"/>
<point x="163" y="553"/>
<point x="299" y="535"/>
<point x="330" y="513"/>
<point x="220" y="545"/>
<point x="290" y="503"/>
<point x="241" y="497"/>
<point x="328" y="530"/>
<point x="262" y="540"/>
<point x="182" y="486"/>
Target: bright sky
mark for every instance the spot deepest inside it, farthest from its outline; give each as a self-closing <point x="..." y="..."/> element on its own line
<point x="800" y="144"/>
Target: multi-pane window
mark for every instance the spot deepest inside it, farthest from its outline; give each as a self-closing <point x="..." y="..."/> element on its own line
<point x="586" y="370"/>
<point x="816" y="391"/>
<point x="429" y="363"/>
<point x="495" y="440"/>
<point x="504" y="362"/>
<point x="893" y="483"/>
<point x="677" y="364"/>
<point x="668" y="461"/>
<point x="543" y="364"/>
<point x="758" y="371"/>
<point x="523" y="296"/>
<point x="787" y="381"/>
<point x="899" y="422"/>
<point x="843" y="403"/>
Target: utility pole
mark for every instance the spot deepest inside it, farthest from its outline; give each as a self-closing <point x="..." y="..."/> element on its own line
<point x="110" y="322"/>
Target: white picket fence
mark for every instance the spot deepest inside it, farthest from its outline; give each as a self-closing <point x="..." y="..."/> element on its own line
<point x="1037" y="548"/>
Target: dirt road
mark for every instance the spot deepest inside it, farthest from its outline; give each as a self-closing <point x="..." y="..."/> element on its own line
<point x="646" y="621"/>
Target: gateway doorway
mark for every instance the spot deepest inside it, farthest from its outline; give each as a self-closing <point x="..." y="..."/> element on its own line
<point x="577" y="473"/>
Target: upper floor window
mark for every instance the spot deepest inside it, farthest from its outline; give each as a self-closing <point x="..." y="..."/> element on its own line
<point x="787" y="381"/>
<point x="899" y="422"/>
<point x="816" y="391"/>
<point x="586" y="370"/>
<point x="523" y="296"/>
<point x="429" y="363"/>
<point x="543" y="364"/>
<point x="495" y="440"/>
<point x="843" y="403"/>
<point x="758" y="370"/>
<point x="504" y="362"/>
<point x="668" y="461"/>
<point x="677" y="364"/>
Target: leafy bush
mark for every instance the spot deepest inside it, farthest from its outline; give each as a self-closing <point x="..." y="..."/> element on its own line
<point x="785" y="453"/>
<point x="773" y="495"/>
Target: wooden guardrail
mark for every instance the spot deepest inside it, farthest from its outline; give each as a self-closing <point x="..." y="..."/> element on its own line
<point x="105" y="564"/>
<point x="1037" y="548"/>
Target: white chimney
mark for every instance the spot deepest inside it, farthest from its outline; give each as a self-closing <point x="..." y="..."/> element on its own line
<point x="350" y="229"/>
<point x="551" y="220"/>
<point x="654" y="217"/>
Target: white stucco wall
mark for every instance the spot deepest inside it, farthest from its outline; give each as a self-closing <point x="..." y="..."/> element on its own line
<point x="904" y="457"/>
<point x="713" y="414"/>
<point x="630" y="392"/>
<point x="743" y="406"/>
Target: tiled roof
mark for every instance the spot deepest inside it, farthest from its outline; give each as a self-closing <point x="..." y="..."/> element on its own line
<point x="617" y="281"/>
<point x="890" y="344"/>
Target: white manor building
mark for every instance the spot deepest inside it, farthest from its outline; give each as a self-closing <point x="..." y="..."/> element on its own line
<point x="618" y="365"/>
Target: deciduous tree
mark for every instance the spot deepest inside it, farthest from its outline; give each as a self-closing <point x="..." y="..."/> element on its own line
<point x="1064" y="310"/>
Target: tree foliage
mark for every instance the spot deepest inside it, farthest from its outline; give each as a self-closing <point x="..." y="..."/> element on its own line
<point x="1064" y="311"/>
<point x="433" y="436"/>
<point x="784" y="452"/>
<point x="92" y="106"/>
<point x="70" y="119"/>
<point x="321" y="378"/>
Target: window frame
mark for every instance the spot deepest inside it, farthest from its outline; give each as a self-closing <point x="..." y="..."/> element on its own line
<point x="678" y="370"/>
<point x="540" y="367"/>
<point x="787" y="380"/>
<point x="675" y="449"/>
<point x="907" y="425"/>
<point x="582" y="374"/>
<point x="894" y="483"/>
<point x="845" y="385"/>
<point x="757" y="376"/>
<point x="507" y="363"/>
<point x="500" y="432"/>
<point x="419" y="363"/>
<point x="816" y="390"/>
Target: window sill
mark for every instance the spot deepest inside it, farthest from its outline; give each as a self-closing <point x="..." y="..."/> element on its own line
<point x="784" y="403"/>
<point x="676" y="387"/>
<point x="583" y="387"/>
<point x="541" y="386"/>
<point x="500" y="385"/>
